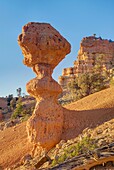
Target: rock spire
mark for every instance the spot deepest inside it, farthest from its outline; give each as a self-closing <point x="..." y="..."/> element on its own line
<point x="43" y="48"/>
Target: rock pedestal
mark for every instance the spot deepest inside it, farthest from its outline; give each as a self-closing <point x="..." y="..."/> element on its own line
<point x="43" y="48"/>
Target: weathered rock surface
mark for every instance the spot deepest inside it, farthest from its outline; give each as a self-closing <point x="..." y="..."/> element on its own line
<point x="43" y="48"/>
<point x="91" y="49"/>
<point x="102" y="156"/>
<point x="41" y="43"/>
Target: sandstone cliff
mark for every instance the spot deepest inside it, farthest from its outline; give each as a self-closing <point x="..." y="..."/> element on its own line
<point x="91" y="50"/>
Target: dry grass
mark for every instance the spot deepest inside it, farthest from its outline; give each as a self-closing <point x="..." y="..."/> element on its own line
<point x="13" y="145"/>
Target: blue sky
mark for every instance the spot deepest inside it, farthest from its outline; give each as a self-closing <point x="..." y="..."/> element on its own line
<point x="74" y="19"/>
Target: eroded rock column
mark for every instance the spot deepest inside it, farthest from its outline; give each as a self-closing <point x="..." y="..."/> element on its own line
<point x="43" y="48"/>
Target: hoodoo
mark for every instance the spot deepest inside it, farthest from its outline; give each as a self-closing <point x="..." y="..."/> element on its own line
<point x="43" y="48"/>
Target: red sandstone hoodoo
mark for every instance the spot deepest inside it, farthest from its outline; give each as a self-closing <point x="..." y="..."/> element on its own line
<point x="43" y="48"/>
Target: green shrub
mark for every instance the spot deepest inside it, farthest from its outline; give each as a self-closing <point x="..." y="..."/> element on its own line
<point x="83" y="146"/>
<point x="18" y="111"/>
<point x="60" y="159"/>
<point x="22" y="112"/>
<point x="54" y="162"/>
<point x="87" y="83"/>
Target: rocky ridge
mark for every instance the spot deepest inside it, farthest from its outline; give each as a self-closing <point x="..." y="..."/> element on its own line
<point x="91" y="50"/>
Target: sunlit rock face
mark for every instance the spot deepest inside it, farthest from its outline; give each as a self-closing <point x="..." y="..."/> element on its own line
<point x="91" y="50"/>
<point x="43" y="48"/>
<point x="41" y="43"/>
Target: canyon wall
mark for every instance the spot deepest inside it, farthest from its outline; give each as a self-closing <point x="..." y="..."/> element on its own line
<point x="91" y="51"/>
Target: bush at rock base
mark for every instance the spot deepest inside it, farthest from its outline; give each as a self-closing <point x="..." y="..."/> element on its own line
<point x="83" y="146"/>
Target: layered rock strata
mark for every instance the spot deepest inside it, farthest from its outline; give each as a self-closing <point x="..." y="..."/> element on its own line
<point x="92" y="50"/>
<point x="43" y="48"/>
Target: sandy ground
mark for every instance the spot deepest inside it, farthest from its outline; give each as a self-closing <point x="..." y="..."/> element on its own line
<point x="13" y="145"/>
<point x="102" y="99"/>
<point x="90" y="111"/>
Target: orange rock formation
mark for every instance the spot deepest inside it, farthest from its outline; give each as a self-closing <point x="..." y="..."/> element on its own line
<point x="91" y="49"/>
<point x="43" y="48"/>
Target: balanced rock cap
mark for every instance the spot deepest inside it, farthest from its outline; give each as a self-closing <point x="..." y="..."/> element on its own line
<point x="41" y="43"/>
